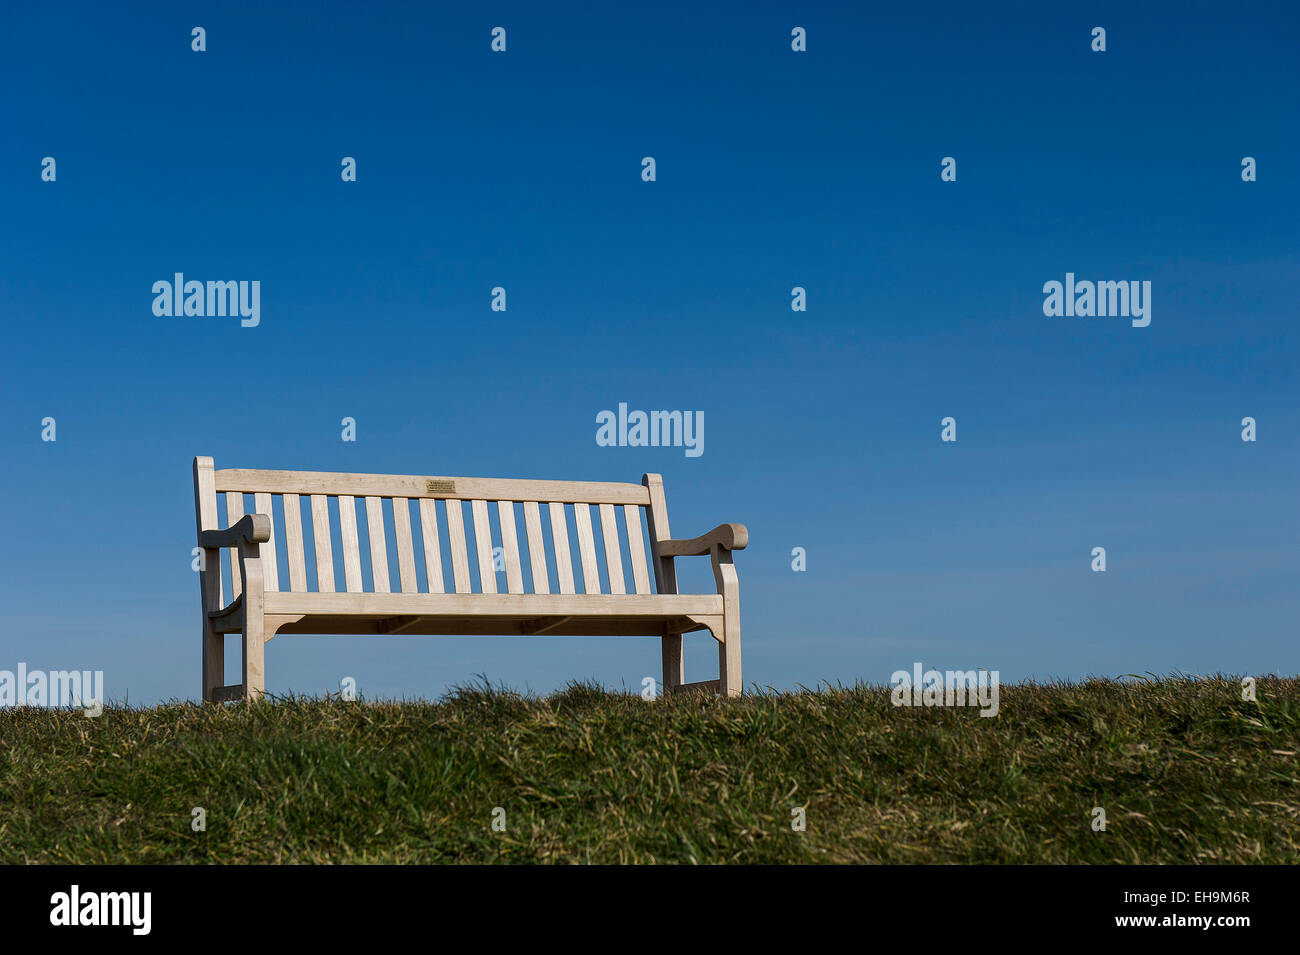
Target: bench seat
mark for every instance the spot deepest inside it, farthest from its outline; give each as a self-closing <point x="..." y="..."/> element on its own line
<point x="504" y="614"/>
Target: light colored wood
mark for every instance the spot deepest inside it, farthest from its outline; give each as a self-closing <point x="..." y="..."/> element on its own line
<point x="560" y="539"/>
<point x="415" y="486"/>
<point x="613" y="554"/>
<point x="510" y="547"/>
<point x="729" y="536"/>
<point x="724" y="574"/>
<point x="249" y="529"/>
<point x="636" y="548"/>
<point x="205" y="519"/>
<point x="432" y="549"/>
<point x="487" y="575"/>
<point x="234" y="511"/>
<point x="320" y="532"/>
<point x="351" y="543"/>
<point x="405" y="546"/>
<point x="378" y="544"/>
<point x="496" y="605"/>
<point x="293" y="545"/>
<point x="456" y="541"/>
<point x="258" y="611"/>
<point x="586" y="548"/>
<point x="665" y="576"/>
<point x="270" y="570"/>
<point x="536" y="547"/>
<point x="254" y="624"/>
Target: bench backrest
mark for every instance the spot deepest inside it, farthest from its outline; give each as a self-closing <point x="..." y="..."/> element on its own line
<point x="361" y="525"/>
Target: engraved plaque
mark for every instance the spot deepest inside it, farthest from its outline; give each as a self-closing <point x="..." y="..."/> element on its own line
<point x="440" y="487"/>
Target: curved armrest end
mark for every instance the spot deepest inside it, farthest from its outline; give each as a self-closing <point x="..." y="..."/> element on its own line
<point x="726" y="536"/>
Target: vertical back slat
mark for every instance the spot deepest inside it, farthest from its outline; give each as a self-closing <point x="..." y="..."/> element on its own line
<point x="405" y="549"/>
<point x="320" y="531"/>
<point x="234" y="513"/>
<point x="587" y="548"/>
<point x="456" y="541"/>
<point x="510" y="545"/>
<point x="613" y="555"/>
<point x="487" y="575"/>
<point x="636" y="548"/>
<point x="378" y="544"/>
<point x="563" y="562"/>
<point x="432" y="549"/>
<point x="351" y="543"/>
<point x="270" y="570"/>
<point x="536" y="547"/>
<point x="293" y="543"/>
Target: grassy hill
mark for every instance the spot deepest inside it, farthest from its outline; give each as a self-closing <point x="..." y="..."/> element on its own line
<point x="1185" y="770"/>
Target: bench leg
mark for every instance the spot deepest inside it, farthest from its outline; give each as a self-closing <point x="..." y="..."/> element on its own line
<point x="674" y="662"/>
<point x="254" y="671"/>
<point x="729" y="678"/>
<point x="214" y="644"/>
<point x="214" y="662"/>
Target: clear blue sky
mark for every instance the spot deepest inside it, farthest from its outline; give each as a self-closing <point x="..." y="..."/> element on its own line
<point x="775" y="169"/>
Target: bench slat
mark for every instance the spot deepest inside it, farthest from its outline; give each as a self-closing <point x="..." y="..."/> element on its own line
<point x="351" y="543"/>
<point x="456" y="539"/>
<point x="510" y="544"/>
<point x="293" y="543"/>
<point x="234" y="511"/>
<point x="487" y="575"/>
<point x="432" y="549"/>
<point x="587" y="548"/>
<point x="378" y="544"/>
<point x="501" y="606"/>
<point x="432" y="486"/>
<point x="405" y="548"/>
<point x="636" y="548"/>
<point x="536" y="547"/>
<point x="563" y="562"/>
<point x="320" y="530"/>
<point x="270" y="570"/>
<point x="613" y="556"/>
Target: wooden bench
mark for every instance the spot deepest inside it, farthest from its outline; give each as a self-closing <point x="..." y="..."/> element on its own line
<point x="446" y="598"/>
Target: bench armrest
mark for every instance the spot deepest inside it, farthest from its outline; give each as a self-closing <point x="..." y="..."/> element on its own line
<point x="727" y="536"/>
<point x="250" y="529"/>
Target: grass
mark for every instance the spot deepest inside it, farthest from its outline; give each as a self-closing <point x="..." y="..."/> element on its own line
<point x="1186" y="772"/>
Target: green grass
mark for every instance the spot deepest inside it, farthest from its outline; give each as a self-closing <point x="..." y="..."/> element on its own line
<point x="1186" y="771"/>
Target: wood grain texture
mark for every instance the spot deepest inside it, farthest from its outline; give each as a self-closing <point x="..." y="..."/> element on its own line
<point x="432" y="547"/>
<point x="293" y="545"/>
<point x="270" y="569"/>
<point x="560" y="538"/>
<point x="378" y="545"/>
<point x="405" y="545"/>
<point x="510" y="547"/>
<point x="320" y="532"/>
<point x="536" y="547"/>
<point x="259" y="609"/>
<point x="350" y="543"/>
<point x="586" y="548"/>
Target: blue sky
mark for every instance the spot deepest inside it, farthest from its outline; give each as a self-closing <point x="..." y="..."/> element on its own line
<point x="774" y="169"/>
